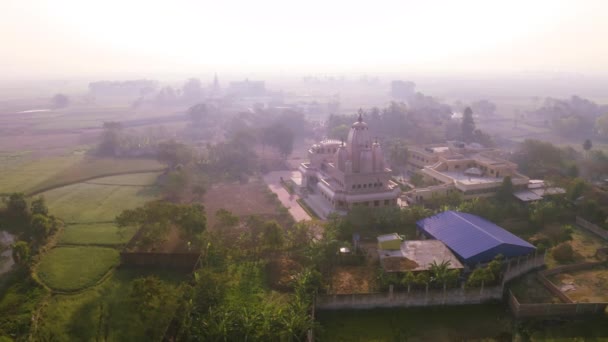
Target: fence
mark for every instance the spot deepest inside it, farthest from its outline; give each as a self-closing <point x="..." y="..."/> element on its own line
<point x="391" y="299"/>
<point x="554" y="310"/>
<point x="595" y="229"/>
<point x="432" y="297"/>
<point x="518" y="266"/>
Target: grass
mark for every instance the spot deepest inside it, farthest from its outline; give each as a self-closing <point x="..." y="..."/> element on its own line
<point x="21" y="174"/>
<point x="584" y="245"/>
<point x="77" y="317"/>
<point x="590" y="285"/>
<point x="91" y="167"/>
<point x="87" y="203"/>
<point x="529" y="290"/>
<point x="430" y="324"/>
<point x="95" y="234"/>
<point x="19" y="298"/>
<point x="74" y="268"/>
<point x="136" y="179"/>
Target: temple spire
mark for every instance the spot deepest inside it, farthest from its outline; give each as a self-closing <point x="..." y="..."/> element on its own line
<point x="360" y="119"/>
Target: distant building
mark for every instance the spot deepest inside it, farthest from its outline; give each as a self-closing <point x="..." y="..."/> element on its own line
<point x="402" y="90"/>
<point x="456" y="167"/>
<point x="247" y="88"/>
<point x="340" y="176"/>
<point x="473" y="239"/>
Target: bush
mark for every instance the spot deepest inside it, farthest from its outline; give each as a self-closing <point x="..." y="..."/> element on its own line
<point x="563" y="253"/>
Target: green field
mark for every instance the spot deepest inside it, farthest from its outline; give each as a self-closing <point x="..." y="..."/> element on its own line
<point x="88" y="203"/>
<point x="20" y="174"/>
<point x="73" y="268"/>
<point x="95" y="234"/>
<point x="136" y="179"/>
<point x="89" y="167"/>
<point x="77" y="317"/>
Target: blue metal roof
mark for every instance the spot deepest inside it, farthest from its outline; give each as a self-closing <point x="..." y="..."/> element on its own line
<point x="472" y="238"/>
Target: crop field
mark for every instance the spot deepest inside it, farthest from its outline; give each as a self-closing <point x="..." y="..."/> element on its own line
<point x="95" y="234"/>
<point x="136" y="179"/>
<point x="104" y="309"/>
<point x="20" y="173"/>
<point x="89" y="167"/>
<point x="74" y="268"/>
<point x="88" y="203"/>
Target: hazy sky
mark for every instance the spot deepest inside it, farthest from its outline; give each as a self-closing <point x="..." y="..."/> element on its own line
<point x="62" y="38"/>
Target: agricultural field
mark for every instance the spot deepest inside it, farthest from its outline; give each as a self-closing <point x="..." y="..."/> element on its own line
<point x="99" y="234"/>
<point x="90" y="203"/>
<point x="91" y="167"/>
<point x="104" y="310"/>
<point x="21" y="173"/>
<point x="75" y="268"/>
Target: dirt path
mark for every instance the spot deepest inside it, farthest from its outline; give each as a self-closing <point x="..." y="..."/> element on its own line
<point x="273" y="180"/>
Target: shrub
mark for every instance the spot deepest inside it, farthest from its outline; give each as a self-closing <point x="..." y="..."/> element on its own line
<point x="563" y="252"/>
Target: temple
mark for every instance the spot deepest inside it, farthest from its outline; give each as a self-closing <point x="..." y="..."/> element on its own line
<point x="340" y="176"/>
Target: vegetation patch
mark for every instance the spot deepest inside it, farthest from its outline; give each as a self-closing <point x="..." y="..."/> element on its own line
<point x="22" y="175"/>
<point x="82" y="202"/>
<point x="19" y="298"/>
<point x="529" y="290"/>
<point x="91" y="167"/>
<point x="96" y="234"/>
<point x="107" y="312"/>
<point x="459" y="323"/>
<point x="584" y="286"/>
<point x="74" y="268"/>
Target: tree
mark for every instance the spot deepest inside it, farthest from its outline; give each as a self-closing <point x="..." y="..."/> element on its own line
<point x="226" y="219"/>
<point x="173" y="153"/>
<point x="272" y="235"/>
<point x="112" y="138"/>
<point x="468" y="125"/>
<point x="38" y="206"/>
<point x="480" y="276"/>
<point x="601" y="125"/>
<point x="408" y="279"/>
<point x="440" y="272"/>
<point x="21" y="253"/>
<point x="17" y="205"/>
<point x="505" y="192"/>
<point x="587" y="145"/>
<point x="339" y="132"/>
<point x="198" y="113"/>
<point x="60" y="101"/>
<point x="40" y="227"/>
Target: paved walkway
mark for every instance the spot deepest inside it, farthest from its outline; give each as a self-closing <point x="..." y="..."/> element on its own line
<point x="273" y="180"/>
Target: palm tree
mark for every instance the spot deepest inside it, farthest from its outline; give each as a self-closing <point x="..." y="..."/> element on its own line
<point x="408" y="279"/>
<point x="440" y="272"/>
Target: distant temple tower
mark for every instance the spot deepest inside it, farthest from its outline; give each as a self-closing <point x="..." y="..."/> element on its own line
<point x="215" y="87"/>
<point x="340" y="177"/>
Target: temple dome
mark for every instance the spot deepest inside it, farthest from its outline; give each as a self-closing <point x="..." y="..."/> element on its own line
<point x="378" y="157"/>
<point x="358" y="140"/>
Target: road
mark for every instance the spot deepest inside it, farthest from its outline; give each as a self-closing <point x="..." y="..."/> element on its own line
<point x="273" y="180"/>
